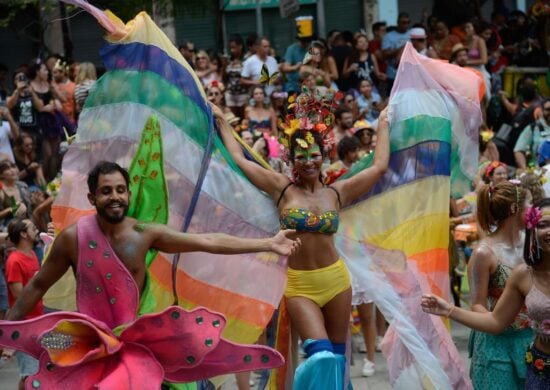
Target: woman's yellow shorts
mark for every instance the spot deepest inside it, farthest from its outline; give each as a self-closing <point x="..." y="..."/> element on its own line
<point x="319" y="285"/>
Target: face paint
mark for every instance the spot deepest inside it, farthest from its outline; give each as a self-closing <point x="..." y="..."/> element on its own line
<point x="313" y="153"/>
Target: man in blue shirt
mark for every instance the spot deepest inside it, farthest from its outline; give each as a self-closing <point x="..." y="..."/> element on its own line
<point x="392" y="44"/>
<point x="294" y="55"/>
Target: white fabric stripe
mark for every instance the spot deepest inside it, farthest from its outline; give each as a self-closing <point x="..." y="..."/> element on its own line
<point x="183" y="155"/>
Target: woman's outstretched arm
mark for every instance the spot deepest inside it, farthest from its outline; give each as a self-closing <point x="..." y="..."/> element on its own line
<point x="352" y="188"/>
<point x="266" y="180"/>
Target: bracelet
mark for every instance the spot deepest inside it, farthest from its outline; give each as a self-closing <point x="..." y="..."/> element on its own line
<point x="448" y="315"/>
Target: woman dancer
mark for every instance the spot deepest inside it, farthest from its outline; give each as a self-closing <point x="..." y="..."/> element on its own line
<point x="497" y="360"/>
<point x="529" y="285"/>
<point x="318" y="292"/>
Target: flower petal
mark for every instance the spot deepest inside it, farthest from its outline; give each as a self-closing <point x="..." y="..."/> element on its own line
<point x="22" y="335"/>
<point x="133" y="367"/>
<point x="71" y="342"/>
<point x="229" y="357"/>
<point x="176" y="337"/>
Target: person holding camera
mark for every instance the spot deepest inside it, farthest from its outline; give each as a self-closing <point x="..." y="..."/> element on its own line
<point x="25" y="104"/>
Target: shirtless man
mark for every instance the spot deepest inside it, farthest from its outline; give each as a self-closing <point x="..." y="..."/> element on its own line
<point x="130" y="239"/>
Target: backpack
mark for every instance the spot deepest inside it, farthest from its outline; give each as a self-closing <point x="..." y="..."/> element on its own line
<point x="507" y="135"/>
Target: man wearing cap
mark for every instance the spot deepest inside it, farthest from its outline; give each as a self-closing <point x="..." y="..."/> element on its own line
<point x="294" y="55"/>
<point x="418" y="40"/>
<point x="459" y="55"/>
<point x="364" y="132"/>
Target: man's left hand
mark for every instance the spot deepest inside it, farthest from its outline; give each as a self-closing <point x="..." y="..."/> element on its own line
<point x="283" y="245"/>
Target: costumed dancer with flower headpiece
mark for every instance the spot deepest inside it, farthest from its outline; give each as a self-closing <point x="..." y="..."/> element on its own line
<point x="498" y="360"/>
<point x="527" y="286"/>
<point x="318" y="292"/>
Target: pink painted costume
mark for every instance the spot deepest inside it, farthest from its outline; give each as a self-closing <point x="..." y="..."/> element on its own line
<point x="106" y="346"/>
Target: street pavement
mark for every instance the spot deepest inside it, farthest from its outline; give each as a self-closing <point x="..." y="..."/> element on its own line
<point x="379" y="381"/>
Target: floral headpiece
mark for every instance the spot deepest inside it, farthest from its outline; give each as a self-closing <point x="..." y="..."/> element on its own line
<point x="491" y="168"/>
<point x="311" y="112"/>
<point x="215" y="84"/>
<point x="532" y="246"/>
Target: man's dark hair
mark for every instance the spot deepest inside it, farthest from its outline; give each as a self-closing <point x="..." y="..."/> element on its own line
<point x="105" y="168"/>
<point x="376" y="26"/>
<point x="15" y="228"/>
<point x="402" y="15"/>
<point x="341" y="111"/>
<point x="252" y="39"/>
<point x="347" y="145"/>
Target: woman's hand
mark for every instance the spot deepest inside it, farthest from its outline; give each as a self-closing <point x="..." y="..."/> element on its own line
<point x="283" y="245"/>
<point x="433" y="304"/>
<point x="33" y="166"/>
<point x="21" y="210"/>
<point x="216" y="111"/>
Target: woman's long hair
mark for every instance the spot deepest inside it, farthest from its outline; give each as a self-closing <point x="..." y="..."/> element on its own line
<point x="531" y="249"/>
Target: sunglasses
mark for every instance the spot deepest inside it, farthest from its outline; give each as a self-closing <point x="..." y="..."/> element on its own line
<point x="214" y="94"/>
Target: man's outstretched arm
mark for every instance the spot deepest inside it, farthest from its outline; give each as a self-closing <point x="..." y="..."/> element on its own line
<point x="168" y="240"/>
<point x="58" y="261"/>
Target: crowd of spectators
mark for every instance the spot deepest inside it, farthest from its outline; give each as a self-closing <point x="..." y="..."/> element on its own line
<point x="39" y="109"/>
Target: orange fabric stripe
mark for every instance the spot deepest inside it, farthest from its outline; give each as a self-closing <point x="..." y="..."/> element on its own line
<point x="252" y="311"/>
<point x="433" y="260"/>
<point x="434" y="264"/>
<point x="65" y="216"/>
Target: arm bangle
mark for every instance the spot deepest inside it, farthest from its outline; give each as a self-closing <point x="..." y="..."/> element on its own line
<point x="448" y="315"/>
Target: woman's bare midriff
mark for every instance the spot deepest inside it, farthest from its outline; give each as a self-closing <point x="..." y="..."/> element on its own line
<point x="317" y="251"/>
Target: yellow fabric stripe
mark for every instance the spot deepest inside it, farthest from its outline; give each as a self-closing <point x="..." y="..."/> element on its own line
<point x="377" y="215"/>
<point x="417" y="235"/>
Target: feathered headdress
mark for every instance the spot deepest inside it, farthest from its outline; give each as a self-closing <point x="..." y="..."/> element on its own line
<point x="309" y="112"/>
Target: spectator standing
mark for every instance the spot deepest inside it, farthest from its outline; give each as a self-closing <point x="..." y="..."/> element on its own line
<point x="252" y="67"/>
<point x="443" y="42"/>
<point x="294" y="55"/>
<point x="531" y="138"/>
<point x="25" y="104"/>
<point x="369" y="101"/>
<point x="477" y="55"/>
<point x="30" y="169"/>
<point x="65" y="89"/>
<point x="341" y="49"/>
<point x="204" y="69"/>
<point x="342" y="124"/>
<point x="361" y="65"/>
<point x="375" y="49"/>
<point x="15" y="199"/>
<point x="214" y="94"/>
<point x="392" y="45"/>
<point x="85" y="79"/>
<point x="236" y="95"/>
<point x="21" y="265"/>
<point x="418" y="40"/>
<point x="322" y="68"/>
<point x="187" y="50"/>
<point x="8" y="131"/>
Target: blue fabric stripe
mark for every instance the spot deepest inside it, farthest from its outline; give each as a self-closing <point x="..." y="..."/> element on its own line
<point x="143" y="57"/>
<point x="431" y="158"/>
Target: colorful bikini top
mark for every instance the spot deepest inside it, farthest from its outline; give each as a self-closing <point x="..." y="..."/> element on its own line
<point x="538" y="309"/>
<point x="304" y="220"/>
<point x="260" y="124"/>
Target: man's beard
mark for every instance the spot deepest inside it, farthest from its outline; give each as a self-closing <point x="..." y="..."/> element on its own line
<point x="114" y="219"/>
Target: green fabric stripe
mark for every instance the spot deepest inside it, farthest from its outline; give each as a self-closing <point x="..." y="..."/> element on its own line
<point x="421" y="128"/>
<point x="150" y="89"/>
<point x="408" y="133"/>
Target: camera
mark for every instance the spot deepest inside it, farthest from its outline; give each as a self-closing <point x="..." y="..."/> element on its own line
<point x="22" y="77"/>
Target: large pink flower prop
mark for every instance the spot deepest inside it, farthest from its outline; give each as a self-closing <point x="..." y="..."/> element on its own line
<point x="76" y="351"/>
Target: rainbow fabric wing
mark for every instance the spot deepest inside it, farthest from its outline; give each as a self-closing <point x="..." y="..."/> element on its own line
<point x="402" y="251"/>
<point x="146" y="75"/>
